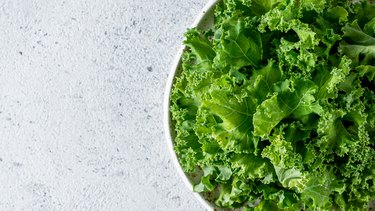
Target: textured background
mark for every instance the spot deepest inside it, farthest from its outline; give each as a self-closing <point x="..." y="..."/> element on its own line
<point x="81" y="89"/>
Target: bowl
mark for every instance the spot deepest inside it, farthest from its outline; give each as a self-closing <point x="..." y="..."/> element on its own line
<point x="204" y="21"/>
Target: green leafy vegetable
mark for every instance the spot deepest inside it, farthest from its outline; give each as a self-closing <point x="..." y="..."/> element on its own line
<point x="275" y="106"/>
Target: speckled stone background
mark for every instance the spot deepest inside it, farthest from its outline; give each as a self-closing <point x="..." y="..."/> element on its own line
<point x="81" y="89"/>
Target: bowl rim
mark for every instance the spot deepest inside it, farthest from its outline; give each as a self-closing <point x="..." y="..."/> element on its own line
<point x="166" y="120"/>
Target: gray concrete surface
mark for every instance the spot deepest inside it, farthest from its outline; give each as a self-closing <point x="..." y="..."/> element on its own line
<point x="81" y="89"/>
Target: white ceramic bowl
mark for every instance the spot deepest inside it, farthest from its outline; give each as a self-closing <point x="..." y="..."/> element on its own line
<point x="204" y="21"/>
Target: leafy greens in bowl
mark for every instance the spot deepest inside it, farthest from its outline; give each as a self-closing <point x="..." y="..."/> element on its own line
<point x="274" y="108"/>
